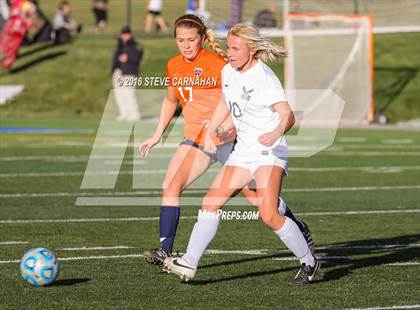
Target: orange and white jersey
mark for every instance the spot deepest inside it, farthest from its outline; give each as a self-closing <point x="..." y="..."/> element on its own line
<point x="198" y="88"/>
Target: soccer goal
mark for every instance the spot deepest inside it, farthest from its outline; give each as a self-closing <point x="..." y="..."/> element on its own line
<point x="332" y="53"/>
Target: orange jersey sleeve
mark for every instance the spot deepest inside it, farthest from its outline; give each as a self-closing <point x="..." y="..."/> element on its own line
<point x="198" y="88"/>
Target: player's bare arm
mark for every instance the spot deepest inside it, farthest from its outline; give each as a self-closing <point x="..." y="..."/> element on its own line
<point x="286" y="122"/>
<point x="220" y="114"/>
<point x="167" y="112"/>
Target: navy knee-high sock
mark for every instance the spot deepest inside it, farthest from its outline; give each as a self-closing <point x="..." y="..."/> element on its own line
<point x="169" y="218"/>
<point x="291" y="216"/>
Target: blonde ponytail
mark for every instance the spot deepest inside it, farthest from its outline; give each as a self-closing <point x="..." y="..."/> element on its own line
<point x="264" y="48"/>
<point x="210" y="40"/>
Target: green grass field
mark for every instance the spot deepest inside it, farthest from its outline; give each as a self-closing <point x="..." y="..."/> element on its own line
<point x="360" y="197"/>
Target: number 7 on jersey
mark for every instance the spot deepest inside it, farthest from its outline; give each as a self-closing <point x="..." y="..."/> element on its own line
<point x="188" y="90"/>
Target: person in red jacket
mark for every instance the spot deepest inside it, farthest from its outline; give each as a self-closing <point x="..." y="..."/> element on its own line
<point x="19" y="22"/>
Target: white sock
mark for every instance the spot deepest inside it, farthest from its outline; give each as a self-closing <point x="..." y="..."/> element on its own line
<point x="292" y="237"/>
<point x="202" y="234"/>
<point x="282" y="206"/>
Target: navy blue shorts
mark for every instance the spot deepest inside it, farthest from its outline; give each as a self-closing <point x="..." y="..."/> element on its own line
<point x="221" y="155"/>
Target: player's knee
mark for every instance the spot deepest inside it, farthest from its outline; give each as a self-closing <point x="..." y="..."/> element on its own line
<point x="269" y="217"/>
<point x="171" y="190"/>
<point x="211" y="203"/>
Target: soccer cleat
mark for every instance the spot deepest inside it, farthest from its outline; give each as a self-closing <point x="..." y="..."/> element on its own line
<point x="307" y="235"/>
<point x="156" y="256"/>
<point x="306" y="273"/>
<point x="180" y="267"/>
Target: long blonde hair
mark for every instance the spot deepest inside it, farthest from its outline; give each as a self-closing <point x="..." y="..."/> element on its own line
<point x="193" y="21"/>
<point x="263" y="47"/>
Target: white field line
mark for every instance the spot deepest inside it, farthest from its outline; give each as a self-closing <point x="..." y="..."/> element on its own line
<point x="75" y="258"/>
<point x="388" y="307"/>
<point x="97" y="248"/>
<point x="134" y="193"/>
<point x="80" y="173"/>
<point x="156" y="218"/>
<point x="74" y="143"/>
<point x="208" y="252"/>
<point x="352" y="139"/>
<point x="405" y="264"/>
<point x="292" y="258"/>
<point x="369" y="247"/>
<point x="397" y="141"/>
<point x="73" y="158"/>
<point x="84" y="158"/>
<point x="258" y="251"/>
<point x="368" y="153"/>
<point x="366" y="169"/>
<point x="361" y="212"/>
<point x="13" y="242"/>
<point x="333" y="151"/>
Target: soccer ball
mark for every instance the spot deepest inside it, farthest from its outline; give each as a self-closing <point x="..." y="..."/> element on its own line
<point x="39" y="266"/>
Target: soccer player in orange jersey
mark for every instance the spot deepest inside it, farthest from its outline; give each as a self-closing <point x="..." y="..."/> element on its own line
<point x="195" y="81"/>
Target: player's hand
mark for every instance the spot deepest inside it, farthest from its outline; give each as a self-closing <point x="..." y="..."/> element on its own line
<point x="206" y="123"/>
<point x="268" y="138"/>
<point x="123" y="58"/>
<point x="147" y="145"/>
<point x="209" y="145"/>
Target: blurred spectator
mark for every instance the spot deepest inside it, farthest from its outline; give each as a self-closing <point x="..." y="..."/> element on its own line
<point x="100" y="9"/>
<point x="193" y="7"/>
<point x="154" y="9"/>
<point x="4" y="13"/>
<point x="64" y="24"/>
<point x="236" y="8"/>
<point x="267" y="17"/>
<point x="41" y="28"/>
<point x="15" y="29"/>
<point x="125" y="70"/>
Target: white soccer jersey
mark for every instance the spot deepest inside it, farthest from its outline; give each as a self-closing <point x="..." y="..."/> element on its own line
<point x="249" y="97"/>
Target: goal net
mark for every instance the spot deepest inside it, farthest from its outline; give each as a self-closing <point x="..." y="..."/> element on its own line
<point x="390" y="16"/>
<point x="332" y="53"/>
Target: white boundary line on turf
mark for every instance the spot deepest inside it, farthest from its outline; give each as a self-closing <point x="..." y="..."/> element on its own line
<point x="292" y="258"/>
<point x="98" y="248"/>
<point x="74" y="158"/>
<point x="75" y="258"/>
<point x="405" y="264"/>
<point x="268" y="251"/>
<point x="207" y="252"/>
<point x="140" y="219"/>
<point x="365" y="169"/>
<point x="290" y="190"/>
<point x="388" y="308"/>
<point x="13" y="242"/>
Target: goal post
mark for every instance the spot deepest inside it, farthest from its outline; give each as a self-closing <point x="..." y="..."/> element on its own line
<point x="333" y="53"/>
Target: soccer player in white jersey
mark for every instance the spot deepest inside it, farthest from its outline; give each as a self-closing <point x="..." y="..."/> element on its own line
<point x="253" y="95"/>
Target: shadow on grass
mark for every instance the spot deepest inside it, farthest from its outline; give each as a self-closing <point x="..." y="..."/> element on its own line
<point x="242" y="260"/>
<point x="68" y="282"/>
<point x="242" y="276"/>
<point x="37" y="61"/>
<point x="381" y="251"/>
<point x="393" y="81"/>
<point x="35" y="50"/>
<point x="245" y="275"/>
